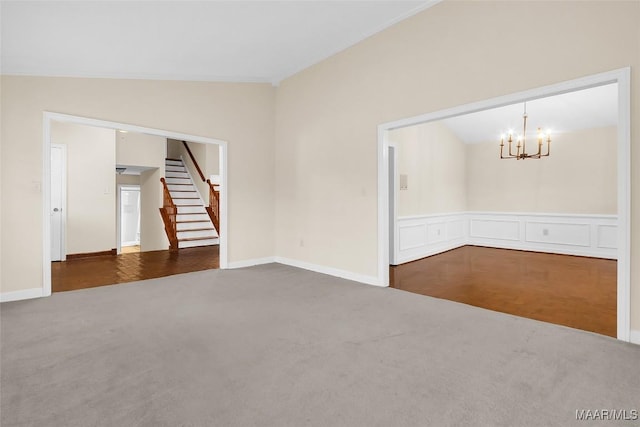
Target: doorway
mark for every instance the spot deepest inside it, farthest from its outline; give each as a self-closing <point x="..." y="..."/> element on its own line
<point x="220" y="261"/>
<point x="621" y="231"/>
<point x="128" y="219"/>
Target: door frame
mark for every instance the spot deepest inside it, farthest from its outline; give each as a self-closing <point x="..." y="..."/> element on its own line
<point x="63" y="201"/>
<point x="620" y="76"/>
<point x="121" y="187"/>
<point x="49" y="117"/>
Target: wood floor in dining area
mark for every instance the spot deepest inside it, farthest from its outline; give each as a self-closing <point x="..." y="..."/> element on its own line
<point x="578" y="292"/>
<point x="129" y="267"/>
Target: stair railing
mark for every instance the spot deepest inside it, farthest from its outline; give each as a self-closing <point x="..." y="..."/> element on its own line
<point x="169" y="212"/>
<point x="214" y="196"/>
<point x="193" y="159"/>
<point x="214" y="206"/>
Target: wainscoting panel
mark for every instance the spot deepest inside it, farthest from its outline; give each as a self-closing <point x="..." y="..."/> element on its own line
<point x="422" y="236"/>
<point x="505" y="228"/>
<point x="607" y="236"/>
<point x="558" y="233"/>
<point x="569" y="234"/>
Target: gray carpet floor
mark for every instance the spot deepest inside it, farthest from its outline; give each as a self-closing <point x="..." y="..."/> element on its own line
<point x="278" y="346"/>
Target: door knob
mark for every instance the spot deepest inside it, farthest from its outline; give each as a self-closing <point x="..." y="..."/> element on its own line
<point x="56" y="209"/>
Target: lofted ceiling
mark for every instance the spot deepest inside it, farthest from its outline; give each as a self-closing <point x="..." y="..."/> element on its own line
<point x="568" y="112"/>
<point x="248" y="41"/>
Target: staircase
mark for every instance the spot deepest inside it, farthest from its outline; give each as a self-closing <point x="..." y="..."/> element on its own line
<point x="193" y="224"/>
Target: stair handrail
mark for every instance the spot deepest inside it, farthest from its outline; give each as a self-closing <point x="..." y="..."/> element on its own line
<point x="193" y="159"/>
<point x="169" y="212"/>
<point x="214" y="206"/>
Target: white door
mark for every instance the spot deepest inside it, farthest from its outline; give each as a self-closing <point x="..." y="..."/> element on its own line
<point x="58" y="188"/>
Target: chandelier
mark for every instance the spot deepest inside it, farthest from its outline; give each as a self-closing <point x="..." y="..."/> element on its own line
<point x="521" y="149"/>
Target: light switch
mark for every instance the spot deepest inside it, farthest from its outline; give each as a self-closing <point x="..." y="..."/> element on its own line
<point x="403" y="181"/>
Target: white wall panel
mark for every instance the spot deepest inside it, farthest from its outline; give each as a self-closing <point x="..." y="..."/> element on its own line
<point x="607" y="236"/>
<point x="558" y="233"/>
<point x="502" y="229"/>
<point x="422" y="236"/>
<point x="412" y="236"/>
<point x="582" y="235"/>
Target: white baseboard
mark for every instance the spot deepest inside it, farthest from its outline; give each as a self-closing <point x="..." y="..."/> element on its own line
<point x="21" y="295"/>
<point x="250" y="262"/>
<point x="343" y="274"/>
<point x="634" y="337"/>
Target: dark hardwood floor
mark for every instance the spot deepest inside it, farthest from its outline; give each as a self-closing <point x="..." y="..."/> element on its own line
<point x="109" y="269"/>
<point x="579" y="292"/>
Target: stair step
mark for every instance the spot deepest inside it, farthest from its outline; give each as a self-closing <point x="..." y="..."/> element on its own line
<point x="178" y="180"/>
<point x="174" y="168"/>
<point x="170" y="174"/>
<point x="180" y="187"/>
<point x="187" y="235"/>
<point x="191" y="209"/>
<point x="182" y="217"/>
<point x="173" y="163"/>
<point x="184" y="194"/>
<point x="191" y="243"/>
<point x="183" y="201"/>
<point x="193" y="225"/>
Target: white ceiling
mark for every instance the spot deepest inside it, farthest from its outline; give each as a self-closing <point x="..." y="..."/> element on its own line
<point x="569" y="112"/>
<point x="251" y="41"/>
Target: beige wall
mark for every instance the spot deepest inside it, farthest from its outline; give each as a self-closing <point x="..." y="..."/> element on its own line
<point x="122" y="179"/>
<point x="217" y="110"/>
<point x="434" y="160"/>
<point x="579" y="177"/>
<point x="91" y="190"/>
<point x="213" y="160"/>
<point x="137" y="149"/>
<point x="152" y="234"/>
<point x="454" y="53"/>
<point x="445" y="175"/>
<point x="173" y="148"/>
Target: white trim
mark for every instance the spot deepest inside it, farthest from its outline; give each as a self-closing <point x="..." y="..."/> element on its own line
<point x="547" y="214"/>
<point x="624" y="203"/>
<point x="623" y="78"/>
<point x="48" y="117"/>
<point x="343" y="274"/>
<point x="634" y="336"/>
<point x="21" y="295"/>
<point x="251" y="262"/>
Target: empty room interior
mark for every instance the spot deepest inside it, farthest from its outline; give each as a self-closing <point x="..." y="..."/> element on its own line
<point x="319" y="213"/>
<point x="534" y="237"/>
